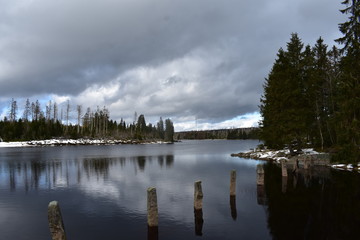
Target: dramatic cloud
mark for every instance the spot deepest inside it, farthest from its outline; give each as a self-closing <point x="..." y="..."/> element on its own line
<point x="198" y="61"/>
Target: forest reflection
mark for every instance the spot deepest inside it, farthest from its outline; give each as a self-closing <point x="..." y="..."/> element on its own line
<point x="34" y="174"/>
<point x="319" y="203"/>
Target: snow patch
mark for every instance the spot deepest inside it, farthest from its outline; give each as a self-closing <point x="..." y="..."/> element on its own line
<point x="59" y="142"/>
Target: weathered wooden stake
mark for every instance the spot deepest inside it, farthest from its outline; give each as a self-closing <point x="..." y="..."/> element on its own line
<point x="283" y="168"/>
<point x="152" y="208"/>
<point x="233" y="183"/>
<point x="260" y="174"/>
<point x="56" y="224"/>
<point x="198" y="195"/>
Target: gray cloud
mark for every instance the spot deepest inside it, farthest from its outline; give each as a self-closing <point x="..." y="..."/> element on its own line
<point x="203" y="59"/>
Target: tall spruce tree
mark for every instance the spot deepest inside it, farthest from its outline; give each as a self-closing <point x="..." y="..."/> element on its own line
<point x="348" y="114"/>
<point x="322" y="95"/>
<point x="284" y="106"/>
<point x="169" y="130"/>
<point x="271" y="104"/>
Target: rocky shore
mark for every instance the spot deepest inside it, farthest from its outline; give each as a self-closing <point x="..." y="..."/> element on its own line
<point x="305" y="159"/>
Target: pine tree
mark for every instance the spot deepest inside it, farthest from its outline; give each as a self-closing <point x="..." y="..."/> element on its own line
<point x="348" y="114"/>
<point x="284" y="107"/>
<point x="350" y="28"/>
<point x="160" y="128"/>
<point x="320" y="88"/>
<point x="140" y="127"/>
<point x="272" y="103"/>
<point x="169" y="130"/>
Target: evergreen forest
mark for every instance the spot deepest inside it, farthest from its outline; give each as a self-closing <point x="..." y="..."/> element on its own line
<point x="312" y="93"/>
<point x="36" y="124"/>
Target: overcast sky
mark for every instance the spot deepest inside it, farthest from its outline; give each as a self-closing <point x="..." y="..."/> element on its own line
<point x="194" y="61"/>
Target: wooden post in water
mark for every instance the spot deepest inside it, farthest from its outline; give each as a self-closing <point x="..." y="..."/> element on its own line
<point x="56" y="224"/>
<point x="233" y="194"/>
<point x="198" y="195"/>
<point x="260" y="174"/>
<point x="233" y="183"/>
<point x="152" y="208"/>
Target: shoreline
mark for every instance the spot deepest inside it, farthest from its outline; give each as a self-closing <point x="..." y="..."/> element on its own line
<point x="307" y="157"/>
<point x="75" y="142"/>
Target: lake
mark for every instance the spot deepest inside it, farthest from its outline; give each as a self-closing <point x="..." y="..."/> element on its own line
<point x="102" y="192"/>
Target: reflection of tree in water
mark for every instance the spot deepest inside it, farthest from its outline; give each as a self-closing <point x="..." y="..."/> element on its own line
<point x="161" y="160"/>
<point x="323" y="204"/>
<point x="37" y="168"/>
<point x="122" y="162"/>
<point x="18" y="170"/>
<point x="34" y="173"/>
<point x="169" y="160"/>
<point x="141" y="160"/>
<point x="98" y="165"/>
<point x="12" y="179"/>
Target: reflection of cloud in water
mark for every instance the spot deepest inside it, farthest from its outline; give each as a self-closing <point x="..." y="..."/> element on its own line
<point x="122" y="181"/>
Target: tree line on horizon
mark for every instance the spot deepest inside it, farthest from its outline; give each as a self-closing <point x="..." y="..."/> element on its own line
<point x="312" y="94"/>
<point x="36" y="124"/>
<point x="229" y="134"/>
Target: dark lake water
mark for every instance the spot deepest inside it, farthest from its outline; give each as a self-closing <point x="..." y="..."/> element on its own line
<point x="102" y="194"/>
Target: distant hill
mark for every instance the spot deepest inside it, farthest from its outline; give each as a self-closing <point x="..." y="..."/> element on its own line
<point x="234" y="133"/>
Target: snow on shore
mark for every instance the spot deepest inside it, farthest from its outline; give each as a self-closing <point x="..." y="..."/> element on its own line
<point x="61" y="142"/>
<point x="13" y="144"/>
<point x="271" y="155"/>
<point x="277" y="156"/>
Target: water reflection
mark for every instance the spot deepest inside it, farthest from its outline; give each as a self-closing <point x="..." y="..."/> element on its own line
<point x="35" y="174"/>
<point x="319" y="204"/>
<point x="233" y="207"/>
<point x="169" y="160"/>
<point x="199" y="221"/>
<point x="261" y="196"/>
<point x="141" y="160"/>
<point x="153" y="233"/>
<point x="99" y="166"/>
<point x="284" y="181"/>
<point x="103" y="194"/>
